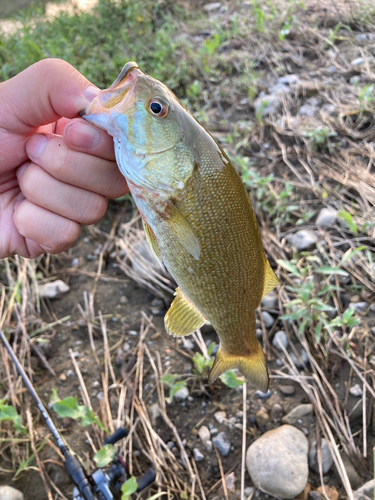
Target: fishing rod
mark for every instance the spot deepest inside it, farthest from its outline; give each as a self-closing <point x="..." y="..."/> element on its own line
<point x="102" y="484"/>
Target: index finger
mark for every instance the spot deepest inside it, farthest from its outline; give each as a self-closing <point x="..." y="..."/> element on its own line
<point x="86" y="138"/>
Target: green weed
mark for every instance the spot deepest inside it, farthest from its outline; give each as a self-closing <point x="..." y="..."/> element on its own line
<point x="171" y="381"/>
<point x="9" y="413"/>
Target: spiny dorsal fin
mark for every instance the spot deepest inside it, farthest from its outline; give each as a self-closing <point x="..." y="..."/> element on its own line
<point x="150" y="237"/>
<point x="270" y="279"/>
<point x="182" y="229"/>
<point x="253" y="367"/>
<point x="183" y="318"/>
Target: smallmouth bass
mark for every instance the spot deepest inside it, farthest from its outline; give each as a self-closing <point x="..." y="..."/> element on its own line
<point x="197" y="217"/>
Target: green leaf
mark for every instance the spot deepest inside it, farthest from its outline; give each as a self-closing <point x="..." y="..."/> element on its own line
<point x="229" y="378"/>
<point x="128" y="488"/>
<point x="210" y="348"/>
<point x="8" y="412"/>
<point x="348" y="314"/>
<point x="288" y="266"/>
<point x="54" y="397"/>
<point x="331" y="270"/>
<point x="349" y="254"/>
<point x="168" y="379"/>
<point x="343" y="214"/>
<point x="105" y="455"/>
<point x="68" y="407"/>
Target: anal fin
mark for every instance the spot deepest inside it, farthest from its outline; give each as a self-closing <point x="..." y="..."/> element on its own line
<point x="253" y="367"/>
<point x="270" y="279"/>
<point x="183" y="318"/>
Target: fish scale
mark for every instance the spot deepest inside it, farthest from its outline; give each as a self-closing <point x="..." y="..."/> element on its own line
<point x="197" y="216"/>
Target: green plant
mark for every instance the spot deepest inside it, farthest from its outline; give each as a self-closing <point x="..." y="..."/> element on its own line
<point x="8" y="413"/>
<point x="105" y="455"/>
<point x="203" y="365"/>
<point x="230" y="379"/>
<point x="128" y="488"/>
<point x="69" y="407"/>
<point x="171" y="381"/>
<point x="319" y="138"/>
<point x="285" y="30"/>
<point x="348" y="218"/>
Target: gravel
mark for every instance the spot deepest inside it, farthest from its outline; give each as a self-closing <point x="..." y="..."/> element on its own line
<point x="9" y="493"/>
<point x="280" y="339"/>
<point x="198" y="455"/>
<point x="222" y="443"/>
<point x="298" y="413"/>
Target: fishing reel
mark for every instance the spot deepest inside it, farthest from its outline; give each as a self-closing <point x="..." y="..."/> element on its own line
<point x="106" y="483"/>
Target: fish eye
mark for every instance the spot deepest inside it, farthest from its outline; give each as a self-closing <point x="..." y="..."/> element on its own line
<point x="158" y="107"/>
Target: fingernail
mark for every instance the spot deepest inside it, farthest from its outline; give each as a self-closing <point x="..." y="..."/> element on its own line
<point x="21" y="169"/>
<point x="35" y="146"/>
<point x="82" y="135"/>
<point x="91" y="92"/>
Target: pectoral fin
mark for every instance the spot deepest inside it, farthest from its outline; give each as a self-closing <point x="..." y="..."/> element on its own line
<point x="182" y="229"/>
<point x="253" y="367"/>
<point x="183" y="318"/>
<point x="270" y="279"/>
<point x="151" y="240"/>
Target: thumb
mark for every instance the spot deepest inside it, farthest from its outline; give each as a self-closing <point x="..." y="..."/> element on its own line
<point x="41" y="94"/>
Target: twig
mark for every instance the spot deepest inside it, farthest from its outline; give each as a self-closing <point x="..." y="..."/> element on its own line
<point x="244" y="421"/>
<point x="221" y="473"/>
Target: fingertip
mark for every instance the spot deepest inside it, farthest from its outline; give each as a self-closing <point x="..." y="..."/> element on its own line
<point x="84" y="137"/>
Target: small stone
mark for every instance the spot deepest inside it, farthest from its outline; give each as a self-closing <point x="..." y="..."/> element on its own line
<point x="209" y="7"/>
<point x="330" y="491"/>
<point x="220" y="416"/>
<point x="314" y="495"/>
<point x="170" y="444"/>
<point x="189" y="344"/>
<point x="280" y="339"/>
<point x="132" y="333"/>
<point x="214" y="431"/>
<point x="204" y="433"/>
<point x="9" y="493"/>
<point x="259" y="333"/>
<point x="300" y="363"/>
<point x="267" y="104"/>
<point x="366" y="490"/>
<point x="304" y="239"/>
<point x="181" y="394"/>
<point x="331" y="70"/>
<point x="326" y="217"/>
<point x="327" y="460"/>
<point x="70" y="373"/>
<point x="74" y="262"/>
<point x="124" y="299"/>
<point x="354" y="80"/>
<point x="356" y="391"/>
<point x="198" y="455"/>
<point x="287" y="390"/>
<point x="288" y="79"/>
<point x="298" y="413"/>
<point x="222" y="444"/>
<point x="154" y="412"/>
<point x="358" y="61"/>
<point x="262" y="418"/>
<point x="249" y="491"/>
<point x="277" y="462"/>
<point x="359" y="307"/>
<point x="53" y="290"/>
<point x="307" y="110"/>
<point x="268" y="319"/>
<point x="263" y="395"/>
<point x="270" y="300"/>
<point x="100" y="396"/>
<point x="62" y="377"/>
<point x="276" y="412"/>
<point x="362" y="37"/>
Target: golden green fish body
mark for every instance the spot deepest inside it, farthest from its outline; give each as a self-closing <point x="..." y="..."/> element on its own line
<point x="197" y="215"/>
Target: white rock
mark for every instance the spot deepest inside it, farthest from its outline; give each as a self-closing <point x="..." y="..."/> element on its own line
<point x="53" y="289"/>
<point x="298" y="413"/>
<point x="358" y="61"/>
<point x="289" y="79"/>
<point x="304" y="239"/>
<point x="366" y="490"/>
<point x="182" y="394"/>
<point x="9" y="493"/>
<point x="209" y="7"/>
<point x="277" y="462"/>
<point x="204" y="433"/>
<point x="220" y="416"/>
<point x="268" y="319"/>
<point x="280" y="339"/>
<point x="327" y="460"/>
<point x="198" y="455"/>
<point x="356" y="391"/>
<point x="270" y="300"/>
<point x="326" y="217"/>
<point x="267" y="104"/>
<point x="154" y="412"/>
<point x="359" y="307"/>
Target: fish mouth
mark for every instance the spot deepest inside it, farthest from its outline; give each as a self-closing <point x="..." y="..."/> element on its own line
<point x="121" y="91"/>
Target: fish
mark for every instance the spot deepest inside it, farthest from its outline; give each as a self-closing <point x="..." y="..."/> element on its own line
<point x="197" y="216"/>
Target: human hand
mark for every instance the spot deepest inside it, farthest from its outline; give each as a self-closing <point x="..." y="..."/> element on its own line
<point x="55" y="170"/>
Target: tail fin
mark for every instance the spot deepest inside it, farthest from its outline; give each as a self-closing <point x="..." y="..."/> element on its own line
<point x="253" y="367"/>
